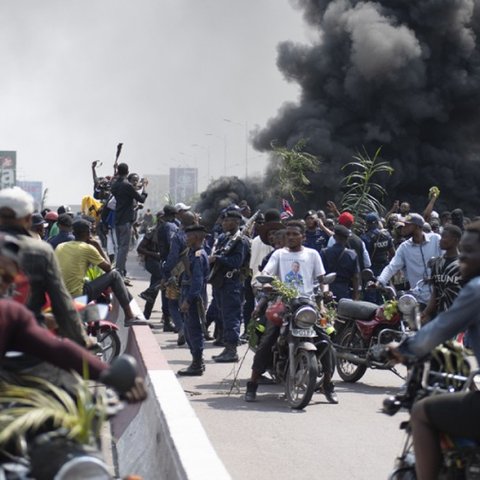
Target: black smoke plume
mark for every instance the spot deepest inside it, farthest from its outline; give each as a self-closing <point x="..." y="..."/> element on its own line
<point x="227" y="190"/>
<point x="400" y="74"/>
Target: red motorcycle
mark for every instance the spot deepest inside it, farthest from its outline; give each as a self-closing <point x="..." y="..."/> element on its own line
<point x="363" y="326"/>
<point x="94" y="315"/>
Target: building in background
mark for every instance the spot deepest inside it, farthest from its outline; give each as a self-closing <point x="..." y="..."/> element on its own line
<point x="35" y="189"/>
<point x="158" y="192"/>
<point x="8" y="169"/>
<point x="183" y="184"/>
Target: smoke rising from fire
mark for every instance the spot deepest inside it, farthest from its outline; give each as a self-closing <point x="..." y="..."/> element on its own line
<point x="402" y="75"/>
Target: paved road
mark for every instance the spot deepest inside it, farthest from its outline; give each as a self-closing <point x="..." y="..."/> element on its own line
<point x="268" y="440"/>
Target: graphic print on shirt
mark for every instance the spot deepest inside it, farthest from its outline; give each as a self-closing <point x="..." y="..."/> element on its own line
<point x="294" y="278"/>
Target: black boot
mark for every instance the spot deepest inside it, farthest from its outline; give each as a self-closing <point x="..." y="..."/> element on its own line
<point x="229" y="355"/>
<point x="251" y="393"/>
<point x="167" y="325"/>
<point x="195" y="369"/>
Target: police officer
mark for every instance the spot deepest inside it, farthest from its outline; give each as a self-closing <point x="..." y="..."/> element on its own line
<point x="193" y="296"/>
<point x="230" y="256"/>
<point x="379" y="243"/>
<point x="344" y="262"/>
<point x="173" y="263"/>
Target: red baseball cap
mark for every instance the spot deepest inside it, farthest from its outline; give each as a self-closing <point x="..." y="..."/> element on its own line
<point x="346" y="219"/>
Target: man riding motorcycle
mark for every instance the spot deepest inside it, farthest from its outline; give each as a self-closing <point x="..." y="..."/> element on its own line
<point x="310" y="269"/>
<point x="456" y="414"/>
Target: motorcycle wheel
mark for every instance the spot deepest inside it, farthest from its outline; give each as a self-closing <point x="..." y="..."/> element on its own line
<point x="110" y="344"/>
<point x="349" y="372"/>
<point x="299" y="391"/>
<point x="403" y="473"/>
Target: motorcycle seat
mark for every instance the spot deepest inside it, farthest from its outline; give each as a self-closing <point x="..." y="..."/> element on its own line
<point x="358" y="310"/>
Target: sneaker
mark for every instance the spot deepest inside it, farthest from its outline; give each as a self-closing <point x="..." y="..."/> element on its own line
<point x="127" y="282"/>
<point x="134" y="322"/>
<point x="330" y="394"/>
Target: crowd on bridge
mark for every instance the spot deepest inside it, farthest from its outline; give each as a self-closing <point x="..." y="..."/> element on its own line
<point x="63" y="255"/>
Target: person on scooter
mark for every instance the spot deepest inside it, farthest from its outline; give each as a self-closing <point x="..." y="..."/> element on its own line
<point x="312" y="270"/>
<point x="456" y="414"/>
<point x="19" y="330"/>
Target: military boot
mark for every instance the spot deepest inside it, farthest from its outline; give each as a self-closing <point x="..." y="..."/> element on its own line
<point x="229" y="355"/>
<point x="195" y="369"/>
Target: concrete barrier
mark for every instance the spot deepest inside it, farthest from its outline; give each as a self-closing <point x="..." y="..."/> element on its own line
<point x="162" y="438"/>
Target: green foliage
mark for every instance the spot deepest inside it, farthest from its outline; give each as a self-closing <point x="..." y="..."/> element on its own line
<point x="294" y="165"/>
<point x="29" y="408"/>
<point x="285" y="291"/>
<point x="362" y="195"/>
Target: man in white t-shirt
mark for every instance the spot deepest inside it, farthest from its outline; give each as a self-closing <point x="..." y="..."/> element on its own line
<point x="300" y="267"/>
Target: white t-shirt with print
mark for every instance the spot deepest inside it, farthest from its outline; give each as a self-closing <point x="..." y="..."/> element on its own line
<point x="297" y="269"/>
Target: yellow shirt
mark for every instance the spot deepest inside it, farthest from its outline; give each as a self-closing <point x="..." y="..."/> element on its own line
<point x="74" y="259"/>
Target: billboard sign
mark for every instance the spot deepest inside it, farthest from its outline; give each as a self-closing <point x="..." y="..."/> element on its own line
<point x="8" y="169"/>
<point x="35" y="189"/>
<point x="183" y="184"/>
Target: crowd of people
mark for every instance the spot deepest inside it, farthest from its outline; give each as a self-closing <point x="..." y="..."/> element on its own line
<point x="64" y="255"/>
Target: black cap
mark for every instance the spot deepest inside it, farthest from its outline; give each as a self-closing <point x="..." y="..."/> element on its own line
<point x="310" y="213"/>
<point x="342" y="231"/>
<point x="37" y="220"/>
<point x="233" y="214"/>
<point x="195" y="228"/>
<point x="169" y="210"/>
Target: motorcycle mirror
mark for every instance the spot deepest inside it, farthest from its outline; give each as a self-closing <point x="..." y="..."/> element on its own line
<point x="263" y="279"/>
<point x="121" y="374"/>
<point x="329" y="278"/>
<point x="367" y="275"/>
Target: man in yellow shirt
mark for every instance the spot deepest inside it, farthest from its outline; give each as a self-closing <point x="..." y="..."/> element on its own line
<point x="76" y="256"/>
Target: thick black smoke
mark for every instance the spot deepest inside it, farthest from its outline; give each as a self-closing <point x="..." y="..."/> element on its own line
<point x="227" y="190"/>
<point x="397" y="73"/>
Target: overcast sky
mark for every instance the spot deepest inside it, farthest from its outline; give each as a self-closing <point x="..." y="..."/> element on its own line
<point x="79" y="76"/>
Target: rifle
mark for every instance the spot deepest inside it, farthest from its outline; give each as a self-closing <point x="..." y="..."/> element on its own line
<point x="245" y="231"/>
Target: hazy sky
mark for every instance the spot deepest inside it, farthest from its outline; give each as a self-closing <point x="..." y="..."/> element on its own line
<point x="79" y="76"/>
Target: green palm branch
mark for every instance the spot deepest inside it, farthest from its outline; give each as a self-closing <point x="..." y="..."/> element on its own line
<point x="294" y="165"/>
<point x="363" y="194"/>
<point x="28" y="408"/>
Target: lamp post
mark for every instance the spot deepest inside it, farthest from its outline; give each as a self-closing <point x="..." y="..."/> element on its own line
<point x="245" y="125"/>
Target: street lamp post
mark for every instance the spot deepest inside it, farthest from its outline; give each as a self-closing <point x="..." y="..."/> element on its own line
<point x="207" y="149"/>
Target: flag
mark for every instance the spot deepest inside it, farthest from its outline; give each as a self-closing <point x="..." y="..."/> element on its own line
<point x="287" y="210"/>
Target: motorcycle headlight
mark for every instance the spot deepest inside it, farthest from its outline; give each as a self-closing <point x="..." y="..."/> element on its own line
<point x="305" y="317"/>
<point x="84" y="467"/>
<point x="407" y="304"/>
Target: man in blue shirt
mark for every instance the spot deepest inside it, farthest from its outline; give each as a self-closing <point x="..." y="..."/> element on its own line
<point x="65" y="234"/>
<point x="316" y="234"/>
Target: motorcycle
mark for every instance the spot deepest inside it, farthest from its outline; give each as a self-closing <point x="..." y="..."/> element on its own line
<point x="446" y="370"/>
<point x="296" y="359"/>
<point x="48" y="433"/>
<point x="94" y="316"/>
<point x="361" y="326"/>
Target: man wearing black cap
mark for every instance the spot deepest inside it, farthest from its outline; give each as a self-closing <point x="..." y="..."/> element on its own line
<point x="344" y="262"/>
<point x="65" y="234"/>
<point x="226" y="262"/>
<point x="125" y="195"/>
<point x="193" y="297"/>
<point x="75" y="258"/>
<point x="164" y="234"/>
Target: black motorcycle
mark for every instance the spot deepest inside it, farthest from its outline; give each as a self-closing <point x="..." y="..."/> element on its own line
<point x="295" y="354"/>
<point x="446" y="370"/>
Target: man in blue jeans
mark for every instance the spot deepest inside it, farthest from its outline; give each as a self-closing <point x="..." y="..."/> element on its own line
<point x="125" y="195"/>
